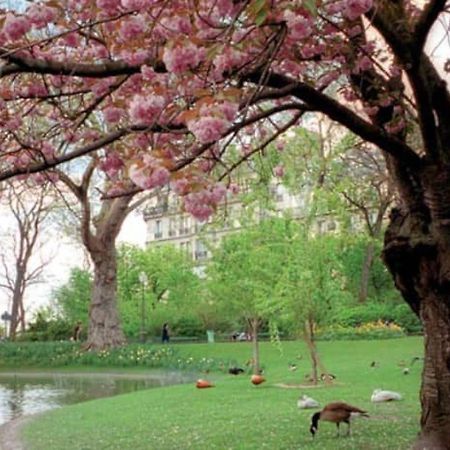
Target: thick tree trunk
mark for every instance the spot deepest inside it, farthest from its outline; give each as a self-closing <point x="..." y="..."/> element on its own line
<point x="417" y="256"/>
<point x="435" y="391"/>
<point x="105" y="330"/>
<point x="365" y="273"/>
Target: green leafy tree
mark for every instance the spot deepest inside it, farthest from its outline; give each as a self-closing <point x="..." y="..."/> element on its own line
<point x="72" y="298"/>
<point x="169" y="282"/>
<point x="243" y="273"/>
<point x="311" y="284"/>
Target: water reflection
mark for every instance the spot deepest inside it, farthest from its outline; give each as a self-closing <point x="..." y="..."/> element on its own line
<point x="28" y="393"/>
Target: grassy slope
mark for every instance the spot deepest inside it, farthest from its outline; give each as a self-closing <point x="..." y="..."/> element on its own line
<point x="237" y="415"/>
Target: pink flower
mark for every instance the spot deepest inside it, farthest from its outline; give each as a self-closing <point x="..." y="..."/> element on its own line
<point x="299" y="26"/>
<point x="111" y="164"/>
<point x="134" y="4"/>
<point x="71" y="40"/>
<point x="181" y="58"/>
<point x="101" y="87"/>
<point x="147" y="178"/>
<point x="229" y="110"/>
<point x="48" y="150"/>
<point x="278" y="170"/>
<point x="108" y="6"/>
<point x="356" y="8"/>
<point x="208" y="129"/>
<point x="148" y="73"/>
<point x="181" y="186"/>
<point x="40" y="15"/>
<point x="132" y="27"/>
<point x="15" y="27"/>
<point x="112" y="114"/>
<point x="146" y="109"/>
<point x="363" y="63"/>
<point x="234" y="188"/>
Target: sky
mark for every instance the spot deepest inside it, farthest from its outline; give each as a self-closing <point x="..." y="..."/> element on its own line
<point x="66" y="256"/>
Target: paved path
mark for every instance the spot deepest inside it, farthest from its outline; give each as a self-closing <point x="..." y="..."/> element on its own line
<point x="10" y="434"/>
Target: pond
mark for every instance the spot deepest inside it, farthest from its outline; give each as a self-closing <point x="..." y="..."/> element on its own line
<point x="23" y="393"/>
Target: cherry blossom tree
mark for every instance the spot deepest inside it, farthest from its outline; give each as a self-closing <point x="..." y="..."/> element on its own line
<point x="178" y="81"/>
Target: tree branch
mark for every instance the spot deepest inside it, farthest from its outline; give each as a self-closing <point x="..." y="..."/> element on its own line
<point x="345" y="116"/>
<point x="425" y="22"/>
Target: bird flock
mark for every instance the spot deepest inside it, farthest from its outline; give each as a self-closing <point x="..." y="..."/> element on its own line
<point x="337" y="411"/>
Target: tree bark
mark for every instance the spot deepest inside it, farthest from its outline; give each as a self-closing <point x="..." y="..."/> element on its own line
<point x="417" y="253"/>
<point x="105" y="330"/>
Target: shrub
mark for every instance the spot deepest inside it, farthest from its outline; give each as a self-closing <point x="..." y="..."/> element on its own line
<point x="356" y="316"/>
<point x="370" y="330"/>
<point x="404" y="317"/>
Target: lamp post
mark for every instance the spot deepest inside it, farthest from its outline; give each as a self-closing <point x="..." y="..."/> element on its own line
<point x="143" y="280"/>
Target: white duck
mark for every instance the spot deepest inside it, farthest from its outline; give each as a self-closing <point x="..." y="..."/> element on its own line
<point x="305" y="402"/>
<point x="380" y="395"/>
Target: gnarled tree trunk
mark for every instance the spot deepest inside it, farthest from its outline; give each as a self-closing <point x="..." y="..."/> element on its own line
<point x="417" y="252"/>
<point x="104" y="324"/>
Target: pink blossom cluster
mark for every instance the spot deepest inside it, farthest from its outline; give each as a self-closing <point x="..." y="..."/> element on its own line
<point x="112" y="164"/>
<point x="132" y="27"/>
<point x="208" y="129"/>
<point x="299" y="26"/>
<point x="179" y="24"/>
<point x="112" y="114"/>
<point x="180" y="58"/>
<point x="108" y="6"/>
<point x="213" y="121"/>
<point x="202" y="204"/>
<point x="149" y="176"/>
<point x="15" y="27"/>
<point x="136" y="5"/>
<point x="48" y="150"/>
<point x="146" y="109"/>
<point x="227" y="60"/>
<point x="356" y="8"/>
<point x="40" y="15"/>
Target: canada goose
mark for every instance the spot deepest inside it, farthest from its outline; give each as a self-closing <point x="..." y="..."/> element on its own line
<point x="305" y="402"/>
<point x="380" y="395"/>
<point x="336" y="412"/>
<point x="235" y="370"/>
<point x="292" y="367"/>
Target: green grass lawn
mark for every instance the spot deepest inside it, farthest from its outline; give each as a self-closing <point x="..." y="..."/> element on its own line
<point x="237" y="415"/>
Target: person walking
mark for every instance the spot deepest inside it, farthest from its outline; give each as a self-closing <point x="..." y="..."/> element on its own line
<point x="165" y="333"/>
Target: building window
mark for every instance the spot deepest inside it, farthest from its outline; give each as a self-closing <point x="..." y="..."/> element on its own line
<point x="331" y="226"/>
<point x="172" y="227"/>
<point x="184" y="225"/>
<point x="158" y="230"/>
<point x="200" y="250"/>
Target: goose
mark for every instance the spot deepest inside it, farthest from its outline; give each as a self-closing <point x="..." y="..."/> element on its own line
<point x="305" y="402"/>
<point x="380" y="395"/>
<point x="336" y="412"/>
